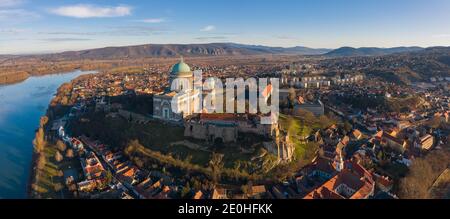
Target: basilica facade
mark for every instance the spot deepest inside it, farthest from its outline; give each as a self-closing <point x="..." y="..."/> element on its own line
<point x="179" y="100"/>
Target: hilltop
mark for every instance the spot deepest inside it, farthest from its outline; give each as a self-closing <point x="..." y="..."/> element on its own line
<point x="174" y="50"/>
<point x="370" y="51"/>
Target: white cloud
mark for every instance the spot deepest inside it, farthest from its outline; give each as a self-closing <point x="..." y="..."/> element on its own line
<point x="91" y="11"/>
<point x="10" y="12"/>
<point x="213" y="38"/>
<point x="10" y="3"/>
<point x="128" y="30"/>
<point x="208" y="28"/>
<point x="64" y="39"/>
<point x="16" y="15"/>
<point x="152" y="20"/>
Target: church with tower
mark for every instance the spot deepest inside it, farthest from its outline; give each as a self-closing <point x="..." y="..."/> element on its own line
<point x="179" y="96"/>
<point x="182" y="104"/>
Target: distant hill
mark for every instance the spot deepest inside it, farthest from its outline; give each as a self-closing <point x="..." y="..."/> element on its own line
<point x="437" y="50"/>
<point x="13" y="77"/>
<point x="370" y="51"/>
<point x="417" y="66"/>
<point x="6" y="57"/>
<point x="173" y="50"/>
<point x="297" y="50"/>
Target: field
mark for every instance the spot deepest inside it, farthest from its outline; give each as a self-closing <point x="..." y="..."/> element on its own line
<point x="299" y="129"/>
<point x="49" y="181"/>
<point x="441" y="187"/>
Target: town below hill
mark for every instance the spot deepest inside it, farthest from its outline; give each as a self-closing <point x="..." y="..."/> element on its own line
<point x="359" y="136"/>
<point x="399" y="65"/>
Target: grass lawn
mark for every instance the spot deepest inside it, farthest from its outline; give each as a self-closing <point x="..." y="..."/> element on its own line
<point x="295" y="126"/>
<point x="49" y="178"/>
<point x="182" y="152"/>
<point x="157" y="135"/>
<point x="297" y="130"/>
<point x="300" y="150"/>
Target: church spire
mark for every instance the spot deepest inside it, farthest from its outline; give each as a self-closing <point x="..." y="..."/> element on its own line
<point x="181" y="59"/>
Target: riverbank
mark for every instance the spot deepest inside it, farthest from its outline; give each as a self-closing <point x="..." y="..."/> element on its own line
<point x="52" y="160"/>
<point x="31" y="175"/>
<point x="22" y="105"/>
<point x="14" y="77"/>
<point x="10" y="78"/>
<point x="46" y="170"/>
<point x="22" y="68"/>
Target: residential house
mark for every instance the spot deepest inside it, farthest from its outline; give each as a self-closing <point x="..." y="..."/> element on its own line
<point x="257" y="191"/>
<point x="356" y="134"/>
<point x="219" y="193"/>
<point x="425" y="142"/>
<point x="353" y="182"/>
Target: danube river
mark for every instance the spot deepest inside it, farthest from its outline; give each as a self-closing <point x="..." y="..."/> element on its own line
<point x="21" y="106"/>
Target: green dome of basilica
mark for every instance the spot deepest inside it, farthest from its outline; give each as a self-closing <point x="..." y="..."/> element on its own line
<point x="181" y="69"/>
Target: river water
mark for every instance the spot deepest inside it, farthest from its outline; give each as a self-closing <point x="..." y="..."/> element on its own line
<point x="21" y="106"/>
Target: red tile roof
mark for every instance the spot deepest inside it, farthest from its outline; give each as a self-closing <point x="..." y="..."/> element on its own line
<point x="354" y="177"/>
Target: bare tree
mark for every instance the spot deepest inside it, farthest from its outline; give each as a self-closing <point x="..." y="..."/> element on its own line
<point x="69" y="153"/>
<point x="41" y="162"/>
<point x="39" y="140"/>
<point x="58" y="156"/>
<point x="61" y="146"/>
<point x="422" y="174"/>
<point x="43" y="121"/>
<point x="216" y="164"/>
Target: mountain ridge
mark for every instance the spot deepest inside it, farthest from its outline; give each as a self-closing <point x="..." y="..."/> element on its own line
<point x="214" y="49"/>
<point x="370" y="51"/>
<point x="173" y="50"/>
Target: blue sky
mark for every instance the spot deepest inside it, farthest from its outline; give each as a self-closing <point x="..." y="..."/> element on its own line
<point x="33" y="26"/>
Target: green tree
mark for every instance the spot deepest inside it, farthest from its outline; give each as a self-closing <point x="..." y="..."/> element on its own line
<point x="196" y="184"/>
<point x="186" y="191"/>
<point x="347" y="127"/>
<point x="325" y="122"/>
<point x="380" y="156"/>
<point x="109" y="177"/>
